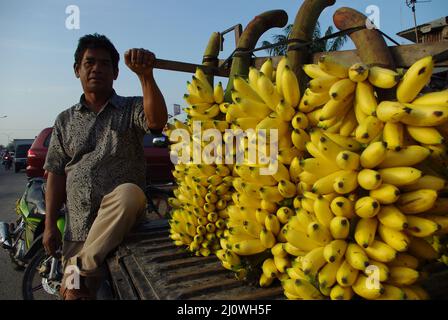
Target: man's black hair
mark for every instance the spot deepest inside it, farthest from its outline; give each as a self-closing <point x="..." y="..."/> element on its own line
<point x="96" y="41"/>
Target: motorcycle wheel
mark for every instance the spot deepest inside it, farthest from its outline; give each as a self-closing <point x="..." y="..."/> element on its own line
<point x="33" y="283"/>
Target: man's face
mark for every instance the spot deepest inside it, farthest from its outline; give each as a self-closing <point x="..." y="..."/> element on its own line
<point x="96" y="71"/>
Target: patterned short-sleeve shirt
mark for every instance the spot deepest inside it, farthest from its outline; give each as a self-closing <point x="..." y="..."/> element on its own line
<point x="97" y="152"/>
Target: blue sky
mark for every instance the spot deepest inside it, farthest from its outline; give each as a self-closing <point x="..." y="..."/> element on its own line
<point x="36" y="48"/>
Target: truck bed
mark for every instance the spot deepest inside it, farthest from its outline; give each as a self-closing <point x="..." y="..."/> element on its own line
<point x="149" y="266"/>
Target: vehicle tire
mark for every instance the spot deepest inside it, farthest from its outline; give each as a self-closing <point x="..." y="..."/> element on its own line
<point x="32" y="287"/>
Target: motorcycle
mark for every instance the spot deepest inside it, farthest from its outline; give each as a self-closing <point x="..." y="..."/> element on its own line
<point x="23" y="240"/>
<point x="7" y="162"/>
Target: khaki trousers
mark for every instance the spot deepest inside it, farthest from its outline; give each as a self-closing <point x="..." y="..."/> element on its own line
<point x="120" y="210"/>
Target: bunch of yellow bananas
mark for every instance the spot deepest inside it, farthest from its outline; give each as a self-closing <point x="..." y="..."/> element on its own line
<point x="266" y="101"/>
<point x="202" y="193"/>
<point x="369" y="196"/>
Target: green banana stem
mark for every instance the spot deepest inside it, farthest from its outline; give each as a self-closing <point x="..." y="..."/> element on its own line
<point x="249" y="38"/>
<point x="211" y="53"/>
<point x="303" y="30"/>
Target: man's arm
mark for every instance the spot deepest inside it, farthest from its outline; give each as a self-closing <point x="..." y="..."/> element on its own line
<point x="142" y="63"/>
<point x="54" y="199"/>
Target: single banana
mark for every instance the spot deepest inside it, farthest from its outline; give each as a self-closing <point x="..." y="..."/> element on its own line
<point x="380" y="251"/>
<point x="321" y="84"/>
<point x="400" y="176"/>
<point x="364" y="288"/>
<point x="417" y="76"/>
<point x="405" y="260"/>
<point x="347" y="143"/>
<point x="358" y="72"/>
<point x="267" y="68"/>
<point x="294" y="170"/>
<point x="332" y="66"/>
<point x="335" y="250"/>
<point x="425" y="116"/>
<point x="406" y="157"/>
<point x="390" y="111"/>
<point x="347" y="160"/>
<point x="267" y="238"/>
<point x="393" y="135"/>
<point x="299" y="240"/>
<point x="342" y="207"/>
<point x="349" y="124"/>
<point x="369" y="179"/>
<point x="324" y="185"/>
<point x="311" y="100"/>
<point x="340" y="227"/>
<point x="385" y="194"/>
<point x="279" y="72"/>
<point x="306" y="290"/>
<point x="381" y="268"/>
<point x="365" y="231"/>
<point x="356" y="257"/>
<point x="346" y="275"/>
<point x="383" y="77"/>
<point x="322" y="211"/>
<point x="218" y="93"/>
<point x="282" y="263"/>
<point x="266" y="90"/>
<point x="421" y="227"/>
<point x="342" y="89"/>
<point x="287" y="189"/>
<point x="313" y="261"/>
<point x="438" y="98"/>
<point x="300" y="121"/>
<point x="299" y="138"/>
<point x="417" y="201"/>
<point x="420" y="248"/>
<point x="272" y="224"/>
<point x="367" y="207"/>
<point x="336" y="108"/>
<point x="368" y="129"/>
<point x="425" y="135"/>
<point x="327" y="275"/>
<point x="341" y="293"/>
<point x="398" y="240"/>
<point x="392" y="293"/>
<point x="427" y="182"/>
<point x="248" y="247"/>
<point x="290" y="87"/>
<point x="403" y="276"/>
<point x="314" y="71"/>
<point x="392" y="217"/>
<point x="373" y="155"/>
<point x="365" y="98"/>
<point x="346" y="182"/>
<point x="319" y="233"/>
<point x="269" y="269"/>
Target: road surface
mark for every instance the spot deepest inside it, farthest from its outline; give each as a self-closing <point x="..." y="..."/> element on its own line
<point x="12" y="185"/>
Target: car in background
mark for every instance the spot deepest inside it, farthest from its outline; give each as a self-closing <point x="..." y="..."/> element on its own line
<point x="20" y="157"/>
<point x="37" y="154"/>
<point x="157" y="155"/>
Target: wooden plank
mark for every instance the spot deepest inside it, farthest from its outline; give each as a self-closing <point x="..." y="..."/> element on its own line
<point x="187" y="67"/>
<point x="404" y="56"/>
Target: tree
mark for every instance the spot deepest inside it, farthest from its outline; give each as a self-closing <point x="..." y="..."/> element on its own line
<point x="333" y="44"/>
